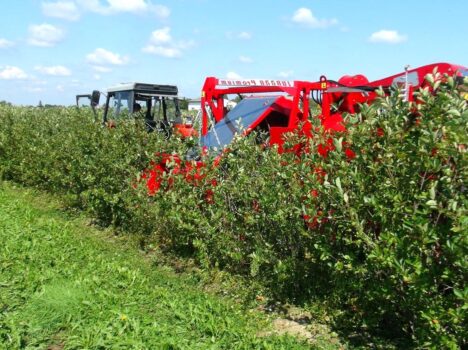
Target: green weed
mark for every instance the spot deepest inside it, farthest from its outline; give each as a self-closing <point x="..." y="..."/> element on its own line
<point x="62" y="285"/>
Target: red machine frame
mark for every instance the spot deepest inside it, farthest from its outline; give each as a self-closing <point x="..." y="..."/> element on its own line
<point x="215" y="89"/>
<point x="351" y="91"/>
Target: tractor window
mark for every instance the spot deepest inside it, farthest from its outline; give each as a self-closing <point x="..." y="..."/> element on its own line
<point x="120" y="105"/>
<point x="166" y="109"/>
<point x="159" y="107"/>
<point x="145" y="105"/>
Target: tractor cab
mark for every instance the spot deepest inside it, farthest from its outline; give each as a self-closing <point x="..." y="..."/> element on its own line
<point x="156" y="105"/>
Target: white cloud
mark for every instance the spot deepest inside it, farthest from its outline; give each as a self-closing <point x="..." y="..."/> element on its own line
<point x="233" y="75"/>
<point x="165" y="51"/>
<point x="12" y="73"/>
<point x="34" y="89"/>
<point x="140" y="7"/>
<point x="36" y="81"/>
<point x="92" y="6"/>
<point x="101" y="56"/>
<point x="97" y="77"/>
<point x="127" y="5"/>
<point x="161" y="36"/>
<point x="61" y="9"/>
<point x="305" y="17"/>
<point x="239" y="35"/>
<point x="244" y="35"/>
<point x="388" y="37"/>
<point x="76" y="82"/>
<point x="286" y="74"/>
<point x="59" y="71"/>
<point x="161" y="11"/>
<point x="45" y="35"/>
<point x="102" y="69"/>
<point x="245" y="59"/>
<point x="60" y="88"/>
<point x="5" y="44"/>
<point x="162" y="44"/>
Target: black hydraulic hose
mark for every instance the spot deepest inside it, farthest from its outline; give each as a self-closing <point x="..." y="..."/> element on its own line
<point x="317" y="97"/>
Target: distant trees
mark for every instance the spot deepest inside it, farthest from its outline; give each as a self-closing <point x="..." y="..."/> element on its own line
<point x="183" y="103"/>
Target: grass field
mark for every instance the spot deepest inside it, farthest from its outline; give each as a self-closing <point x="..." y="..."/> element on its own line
<point x="65" y="285"/>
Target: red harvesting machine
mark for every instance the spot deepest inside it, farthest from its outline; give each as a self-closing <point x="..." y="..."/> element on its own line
<point x="277" y="107"/>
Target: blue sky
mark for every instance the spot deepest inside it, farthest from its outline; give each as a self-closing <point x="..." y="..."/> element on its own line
<point x="52" y="50"/>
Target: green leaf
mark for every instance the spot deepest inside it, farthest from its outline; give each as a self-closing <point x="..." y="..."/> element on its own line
<point x="432" y="191"/>
<point x="430" y="78"/>
<point x="454" y="112"/>
<point x="338" y="184"/>
<point x="338" y="143"/>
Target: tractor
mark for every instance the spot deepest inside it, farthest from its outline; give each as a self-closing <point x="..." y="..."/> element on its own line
<point x="156" y="105"/>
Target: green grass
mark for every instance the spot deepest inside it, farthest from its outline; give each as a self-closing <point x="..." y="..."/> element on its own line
<point x="63" y="285"/>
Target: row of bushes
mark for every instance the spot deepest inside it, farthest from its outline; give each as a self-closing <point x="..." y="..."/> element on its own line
<point x="383" y="236"/>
